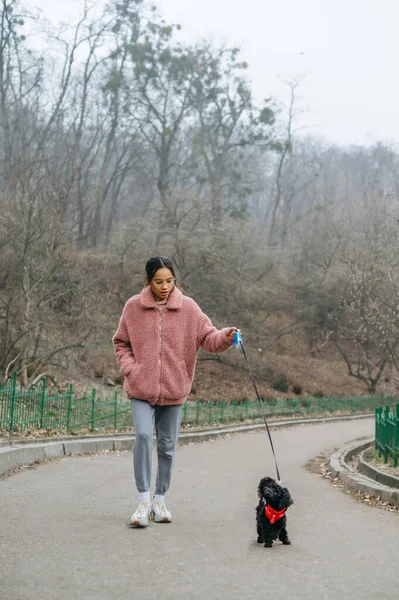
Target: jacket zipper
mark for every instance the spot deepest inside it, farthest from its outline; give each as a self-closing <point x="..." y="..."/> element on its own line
<point x="160" y="352"/>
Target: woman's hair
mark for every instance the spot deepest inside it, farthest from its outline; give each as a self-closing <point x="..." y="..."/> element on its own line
<point x="158" y="262"/>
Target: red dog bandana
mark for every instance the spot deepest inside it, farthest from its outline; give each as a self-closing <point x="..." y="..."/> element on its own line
<point x="274" y="515"/>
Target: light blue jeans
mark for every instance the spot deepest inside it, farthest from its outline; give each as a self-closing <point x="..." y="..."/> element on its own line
<point x="167" y="421"/>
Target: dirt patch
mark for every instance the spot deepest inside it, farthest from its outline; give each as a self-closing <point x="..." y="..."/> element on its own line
<point x="217" y="381"/>
<point x="324" y="376"/>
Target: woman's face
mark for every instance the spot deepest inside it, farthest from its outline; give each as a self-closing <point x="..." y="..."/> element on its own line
<point x="162" y="283"/>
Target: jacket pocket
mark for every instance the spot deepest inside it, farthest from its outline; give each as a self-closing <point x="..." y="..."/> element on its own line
<point x="133" y="372"/>
<point x="175" y="380"/>
<point x="128" y="369"/>
<point x="137" y="385"/>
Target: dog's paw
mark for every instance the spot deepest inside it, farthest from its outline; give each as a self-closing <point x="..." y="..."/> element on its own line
<point x="259" y="540"/>
<point x="268" y="544"/>
<point x="286" y="542"/>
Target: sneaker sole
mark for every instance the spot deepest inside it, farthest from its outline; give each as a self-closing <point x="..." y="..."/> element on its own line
<point x="164" y="520"/>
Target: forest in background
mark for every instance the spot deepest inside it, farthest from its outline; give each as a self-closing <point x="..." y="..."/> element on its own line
<point x="118" y="142"/>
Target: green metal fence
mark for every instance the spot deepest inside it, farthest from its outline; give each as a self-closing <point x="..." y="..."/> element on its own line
<point x="40" y="408"/>
<point x="62" y="410"/>
<point x="387" y="433"/>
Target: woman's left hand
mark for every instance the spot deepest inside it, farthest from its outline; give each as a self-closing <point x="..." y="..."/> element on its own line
<point x="231" y="332"/>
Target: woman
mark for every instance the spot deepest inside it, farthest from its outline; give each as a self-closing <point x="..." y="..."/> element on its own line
<point x="156" y="346"/>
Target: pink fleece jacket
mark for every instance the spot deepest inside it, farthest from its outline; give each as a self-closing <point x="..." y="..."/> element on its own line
<point x="157" y="349"/>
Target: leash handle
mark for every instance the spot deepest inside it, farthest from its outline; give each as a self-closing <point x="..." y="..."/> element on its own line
<point x="237" y="340"/>
<point x="238" y="343"/>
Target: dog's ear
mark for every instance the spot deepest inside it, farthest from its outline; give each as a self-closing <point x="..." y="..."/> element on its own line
<point x="260" y="488"/>
<point x="287" y="498"/>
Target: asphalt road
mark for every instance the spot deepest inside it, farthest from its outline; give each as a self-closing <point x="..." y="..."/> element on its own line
<point x="64" y="533"/>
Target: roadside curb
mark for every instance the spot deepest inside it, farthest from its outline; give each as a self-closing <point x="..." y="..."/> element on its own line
<point x="19" y="454"/>
<point x="369" y="480"/>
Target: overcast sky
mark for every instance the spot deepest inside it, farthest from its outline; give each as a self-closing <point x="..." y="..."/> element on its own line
<point x="348" y="51"/>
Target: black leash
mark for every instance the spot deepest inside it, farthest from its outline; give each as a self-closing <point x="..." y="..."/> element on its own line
<point x="238" y="340"/>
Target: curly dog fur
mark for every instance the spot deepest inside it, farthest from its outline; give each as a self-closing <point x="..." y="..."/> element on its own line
<point x="272" y="494"/>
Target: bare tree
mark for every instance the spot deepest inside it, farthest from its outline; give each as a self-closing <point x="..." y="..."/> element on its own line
<point x="366" y="323"/>
<point x="43" y="300"/>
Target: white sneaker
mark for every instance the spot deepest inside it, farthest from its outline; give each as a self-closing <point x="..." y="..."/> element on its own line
<point x="142" y="516"/>
<point x="160" y="514"/>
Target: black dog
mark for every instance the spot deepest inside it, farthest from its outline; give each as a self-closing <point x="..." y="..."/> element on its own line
<point x="271" y="522"/>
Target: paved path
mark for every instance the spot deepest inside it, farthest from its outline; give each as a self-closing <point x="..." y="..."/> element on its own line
<point x="64" y="534"/>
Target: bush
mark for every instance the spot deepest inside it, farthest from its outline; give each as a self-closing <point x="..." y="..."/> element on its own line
<point x="280" y="383"/>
